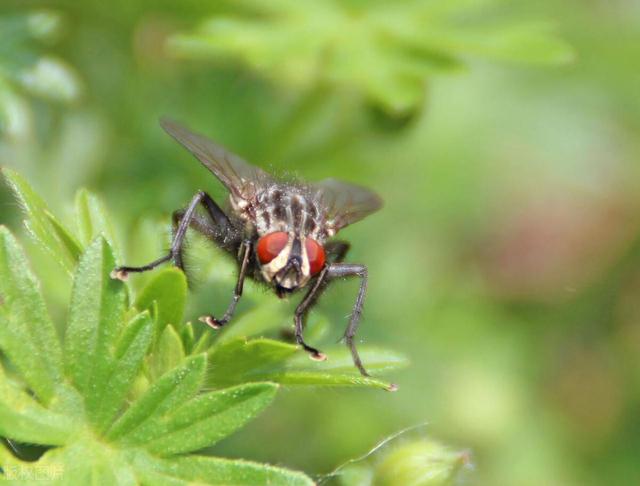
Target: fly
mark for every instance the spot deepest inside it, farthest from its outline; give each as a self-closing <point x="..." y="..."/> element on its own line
<point x="279" y="232"/>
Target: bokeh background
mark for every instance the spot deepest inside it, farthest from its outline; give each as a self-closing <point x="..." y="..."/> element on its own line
<point x="503" y="137"/>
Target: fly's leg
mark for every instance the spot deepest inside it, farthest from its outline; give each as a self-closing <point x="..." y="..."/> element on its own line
<point x="177" y="217"/>
<point x="337" y="269"/>
<point x="237" y="292"/>
<point x="337" y="250"/>
<point x="301" y="313"/>
<point x="215" y="213"/>
<point x="349" y="270"/>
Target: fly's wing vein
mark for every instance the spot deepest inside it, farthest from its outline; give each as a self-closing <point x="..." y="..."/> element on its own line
<point x="242" y="179"/>
<point x="345" y="203"/>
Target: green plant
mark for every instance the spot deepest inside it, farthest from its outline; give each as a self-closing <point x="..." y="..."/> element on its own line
<point x="25" y="70"/>
<point x="415" y="462"/>
<point x="125" y="390"/>
<point x="384" y="50"/>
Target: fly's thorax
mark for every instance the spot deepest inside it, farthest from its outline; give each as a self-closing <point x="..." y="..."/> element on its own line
<point x="288" y="208"/>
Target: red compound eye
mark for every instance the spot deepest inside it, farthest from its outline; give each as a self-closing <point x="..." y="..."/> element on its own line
<point x="270" y="246"/>
<point x="315" y="254"/>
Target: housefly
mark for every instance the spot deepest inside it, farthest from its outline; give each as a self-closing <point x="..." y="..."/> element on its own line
<point x="279" y="232"/>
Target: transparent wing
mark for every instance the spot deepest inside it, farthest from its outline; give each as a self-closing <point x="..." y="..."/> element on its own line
<point x="345" y="203"/>
<point x="241" y="178"/>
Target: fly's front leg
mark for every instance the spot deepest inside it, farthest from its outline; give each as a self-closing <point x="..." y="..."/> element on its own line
<point x="217" y="216"/>
<point x="336" y="251"/>
<point x="349" y="270"/>
<point x="301" y="313"/>
<point x="245" y="251"/>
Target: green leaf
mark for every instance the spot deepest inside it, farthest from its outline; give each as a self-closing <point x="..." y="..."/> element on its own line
<point x="242" y="361"/>
<point x="22" y="418"/>
<point x="207" y="418"/>
<point x="268" y="316"/>
<point x="188" y="470"/>
<point x="174" y="388"/>
<point x="25" y="68"/>
<point x="188" y="338"/>
<point x="7" y="458"/>
<point x="129" y="356"/>
<point x="84" y="461"/>
<point x="42" y="225"/>
<point x="92" y="219"/>
<point x="77" y="400"/>
<point x="95" y="321"/>
<point x="27" y="335"/>
<point x="167" y="354"/>
<point x="67" y="239"/>
<point x="168" y="289"/>
<point x="531" y="43"/>
<point x="264" y="317"/>
<point x="387" y="51"/>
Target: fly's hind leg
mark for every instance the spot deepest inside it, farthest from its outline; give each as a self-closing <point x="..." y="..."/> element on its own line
<point x="199" y="223"/>
<point x="175" y="253"/>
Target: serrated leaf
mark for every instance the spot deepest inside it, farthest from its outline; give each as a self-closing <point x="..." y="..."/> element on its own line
<point x="174" y="388"/>
<point x="167" y="354"/>
<point x="384" y="50"/>
<point x="266" y="317"/>
<point x="95" y="320"/>
<point x="63" y="235"/>
<point x="208" y="418"/>
<point x="92" y="219"/>
<point x="188" y="338"/>
<point x="339" y="370"/>
<point x="189" y="470"/>
<point x="262" y="318"/>
<point x="22" y="418"/>
<point x="27" y="335"/>
<point x="129" y="356"/>
<point x="7" y="458"/>
<point x="377" y="360"/>
<point x="42" y="225"/>
<point x="242" y="361"/>
<point x="84" y="461"/>
<point x="168" y="288"/>
<point x="532" y="43"/>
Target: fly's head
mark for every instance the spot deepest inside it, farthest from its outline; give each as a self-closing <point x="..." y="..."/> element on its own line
<point x="289" y="260"/>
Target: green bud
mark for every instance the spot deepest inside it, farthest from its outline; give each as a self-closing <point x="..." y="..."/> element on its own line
<point x="419" y="463"/>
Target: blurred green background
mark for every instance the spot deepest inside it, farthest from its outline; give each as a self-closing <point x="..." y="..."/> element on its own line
<point x="506" y="262"/>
